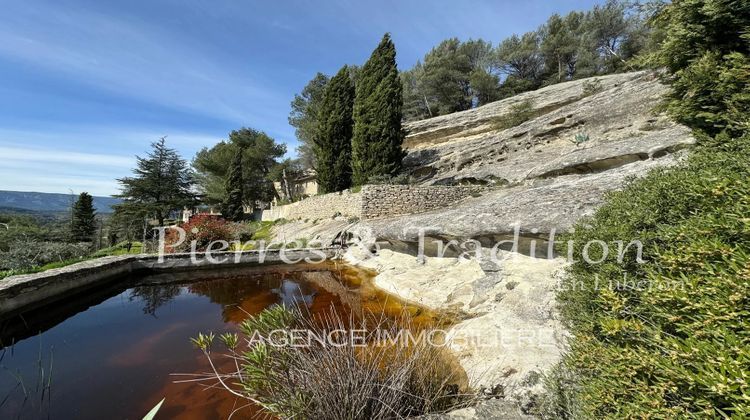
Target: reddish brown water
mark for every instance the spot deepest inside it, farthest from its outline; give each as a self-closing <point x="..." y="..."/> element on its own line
<point x="112" y="351"/>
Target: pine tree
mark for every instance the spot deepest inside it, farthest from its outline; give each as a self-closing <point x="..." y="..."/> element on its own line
<point x="83" y="224"/>
<point x="333" y="141"/>
<point x="232" y="208"/>
<point x="376" y="143"/>
<point x="162" y="184"/>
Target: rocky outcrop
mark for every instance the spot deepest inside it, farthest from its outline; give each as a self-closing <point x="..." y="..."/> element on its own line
<point x="509" y="333"/>
<point x="583" y="139"/>
<point x="613" y="116"/>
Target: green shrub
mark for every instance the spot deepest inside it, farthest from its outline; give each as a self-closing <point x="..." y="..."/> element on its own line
<point x="261" y="230"/>
<point x="400" y="179"/>
<point x="668" y="338"/>
<point x="706" y="50"/>
<point x="592" y="86"/>
<point x="519" y="113"/>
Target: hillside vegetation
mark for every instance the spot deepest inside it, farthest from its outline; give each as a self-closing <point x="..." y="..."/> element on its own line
<point x="669" y="338"/>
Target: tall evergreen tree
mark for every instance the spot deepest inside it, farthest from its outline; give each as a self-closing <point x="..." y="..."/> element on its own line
<point x="83" y="224"/>
<point x="162" y="183"/>
<point x="304" y="117"/>
<point x="333" y="142"/>
<point x="376" y="143"/>
<point x="233" y="208"/>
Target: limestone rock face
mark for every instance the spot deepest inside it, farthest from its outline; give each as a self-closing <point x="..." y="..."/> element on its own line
<point x="547" y="172"/>
<point x="616" y="125"/>
<point x="509" y="333"/>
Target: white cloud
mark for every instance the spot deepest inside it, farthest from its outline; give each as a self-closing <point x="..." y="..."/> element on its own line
<point x="19" y="155"/>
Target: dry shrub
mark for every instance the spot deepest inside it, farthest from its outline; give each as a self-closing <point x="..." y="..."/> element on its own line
<point x="335" y="378"/>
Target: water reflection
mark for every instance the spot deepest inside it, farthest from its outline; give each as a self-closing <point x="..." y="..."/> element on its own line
<point x="115" y="348"/>
<point x="290" y="293"/>
<point x="154" y="297"/>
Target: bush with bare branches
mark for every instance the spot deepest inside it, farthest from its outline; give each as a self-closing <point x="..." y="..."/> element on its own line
<point x="362" y="376"/>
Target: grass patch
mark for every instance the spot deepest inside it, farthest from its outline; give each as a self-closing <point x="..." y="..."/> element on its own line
<point x="262" y="230"/>
<point x="119" y="249"/>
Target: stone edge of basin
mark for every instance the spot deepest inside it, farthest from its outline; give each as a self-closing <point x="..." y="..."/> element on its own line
<point x="22" y="291"/>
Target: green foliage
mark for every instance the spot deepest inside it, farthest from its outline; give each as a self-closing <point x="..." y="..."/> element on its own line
<point x="447" y="69"/>
<point x="580" y="138"/>
<point x="560" y="43"/>
<point x="376" y="143"/>
<point x="456" y="75"/>
<point x="83" y="224"/>
<point x="519" y="113"/>
<point x="151" y="415"/>
<point x="120" y="249"/>
<point x="19" y="228"/>
<point x="162" y="183"/>
<point x="592" y="87"/>
<point x="259" y="158"/>
<point x="304" y="117"/>
<point x="263" y="231"/>
<point x="285" y="173"/>
<point x="520" y="57"/>
<point x="333" y="142"/>
<point x="233" y="207"/>
<point x="400" y="179"/>
<point x="706" y="50"/>
<point x="668" y="338"/>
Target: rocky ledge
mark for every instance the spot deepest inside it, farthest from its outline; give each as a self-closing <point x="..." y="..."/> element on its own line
<point x="582" y="139"/>
<point x="509" y="333"/>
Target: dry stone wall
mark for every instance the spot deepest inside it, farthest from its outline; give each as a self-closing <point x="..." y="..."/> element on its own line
<point x="373" y="202"/>
<point x="344" y="203"/>
<point x="393" y="200"/>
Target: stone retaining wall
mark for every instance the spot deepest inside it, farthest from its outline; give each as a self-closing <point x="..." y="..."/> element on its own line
<point x="374" y="201"/>
<point x="393" y="200"/>
<point x="25" y="291"/>
<point x="344" y="203"/>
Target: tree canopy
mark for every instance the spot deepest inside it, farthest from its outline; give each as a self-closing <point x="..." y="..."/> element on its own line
<point x="304" y="117"/>
<point x="83" y="219"/>
<point x="162" y="183"/>
<point x="333" y="141"/>
<point x="233" y="206"/>
<point x="377" y="138"/>
<point x="455" y="76"/>
<point x="259" y="156"/>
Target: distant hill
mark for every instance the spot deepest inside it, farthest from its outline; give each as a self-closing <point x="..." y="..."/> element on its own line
<point x="49" y="202"/>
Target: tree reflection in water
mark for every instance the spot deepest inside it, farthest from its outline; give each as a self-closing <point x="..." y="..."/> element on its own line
<point x="291" y="294"/>
<point x="154" y="296"/>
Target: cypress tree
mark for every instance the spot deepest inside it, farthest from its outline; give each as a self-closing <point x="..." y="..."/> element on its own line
<point x="83" y="224"/>
<point x="333" y="141"/>
<point x="232" y="208"/>
<point x="376" y="143"/>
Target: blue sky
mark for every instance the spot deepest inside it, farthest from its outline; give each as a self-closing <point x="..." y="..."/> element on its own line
<point x="87" y="85"/>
